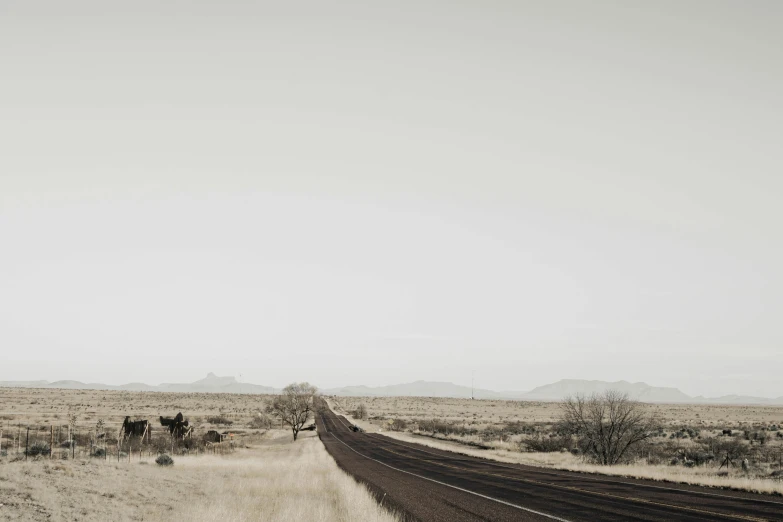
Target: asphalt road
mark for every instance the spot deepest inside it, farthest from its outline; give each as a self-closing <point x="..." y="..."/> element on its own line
<point x="430" y="485"/>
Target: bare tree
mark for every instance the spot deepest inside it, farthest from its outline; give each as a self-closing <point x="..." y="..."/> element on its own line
<point x="295" y="404"/>
<point x="608" y="424"/>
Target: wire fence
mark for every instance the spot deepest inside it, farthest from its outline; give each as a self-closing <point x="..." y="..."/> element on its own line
<point x="62" y="441"/>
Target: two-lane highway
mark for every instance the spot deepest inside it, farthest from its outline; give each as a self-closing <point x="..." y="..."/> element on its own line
<point x="433" y="485"/>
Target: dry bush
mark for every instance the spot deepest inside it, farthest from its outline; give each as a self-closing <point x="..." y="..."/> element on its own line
<point x="360" y="412"/>
<point x="547" y="444"/>
<point x="398" y="425"/>
<point x="39" y="448"/>
<point x="164" y="460"/>
<point x="262" y="421"/>
<point x="220" y="420"/>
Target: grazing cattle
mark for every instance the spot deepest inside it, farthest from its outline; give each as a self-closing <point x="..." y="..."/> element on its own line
<point x="140" y="428"/>
<point x="178" y="427"/>
<point x="727" y="432"/>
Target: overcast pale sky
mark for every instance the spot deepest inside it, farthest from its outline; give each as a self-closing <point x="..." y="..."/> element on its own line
<point x="374" y="193"/>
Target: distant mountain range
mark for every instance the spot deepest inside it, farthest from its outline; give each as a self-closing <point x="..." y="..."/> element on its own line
<point x="210" y="384"/>
<point x="550" y="392"/>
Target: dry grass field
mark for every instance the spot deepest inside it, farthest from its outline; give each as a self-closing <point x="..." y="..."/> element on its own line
<point x="45" y="406"/>
<point x="688" y="450"/>
<point x="266" y="477"/>
<point x="481" y="413"/>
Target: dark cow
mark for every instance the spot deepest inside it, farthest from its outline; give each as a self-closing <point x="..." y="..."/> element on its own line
<point x="171" y="423"/>
<point x="727" y="432"/>
<point x="178" y="427"/>
<point x="140" y="428"/>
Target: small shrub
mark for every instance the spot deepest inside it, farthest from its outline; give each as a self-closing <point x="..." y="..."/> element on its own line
<point x="261" y="422"/>
<point x="164" y="460"/>
<point x="519" y="428"/>
<point x="99" y="452"/>
<point x="220" y="419"/>
<point x="398" y="425"/>
<point x="39" y="448"/>
<point x="546" y="444"/>
<point x="360" y="412"/>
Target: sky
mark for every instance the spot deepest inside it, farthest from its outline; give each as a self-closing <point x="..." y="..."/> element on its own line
<point x="375" y="193"/>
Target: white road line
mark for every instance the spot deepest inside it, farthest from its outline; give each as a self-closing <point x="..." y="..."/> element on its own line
<point x="450" y="486"/>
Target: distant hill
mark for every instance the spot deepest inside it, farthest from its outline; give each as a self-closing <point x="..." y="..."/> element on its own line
<point x="636" y="390"/>
<point x="415" y="389"/>
<point x="214" y="384"/>
<point x="210" y="384"/>
<point x="551" y="392"/>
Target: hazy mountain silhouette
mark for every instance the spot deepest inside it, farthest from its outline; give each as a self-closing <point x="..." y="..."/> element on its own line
<point x="415" y="389"/>
<point x="550" y="392"/>
<point x="210" y="384"/>
<point x="638" y="390"/>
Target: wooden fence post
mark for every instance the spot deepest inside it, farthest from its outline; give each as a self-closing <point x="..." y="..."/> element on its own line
<point x="27" y="444"/>
<point x="51" y="442"/>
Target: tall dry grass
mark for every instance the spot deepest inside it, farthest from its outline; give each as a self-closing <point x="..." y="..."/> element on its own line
<point x="273" y="480"/>
<point x="281" y="482"/>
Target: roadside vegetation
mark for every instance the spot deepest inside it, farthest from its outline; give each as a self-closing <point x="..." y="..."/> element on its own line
<point x="655" y="441"/>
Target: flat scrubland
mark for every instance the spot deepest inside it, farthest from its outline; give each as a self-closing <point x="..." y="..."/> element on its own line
<point x="265" y="477"/>
<point x="43" y="407"/>
<point x="481" y="413"/>
<point x="689" y="449"/>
